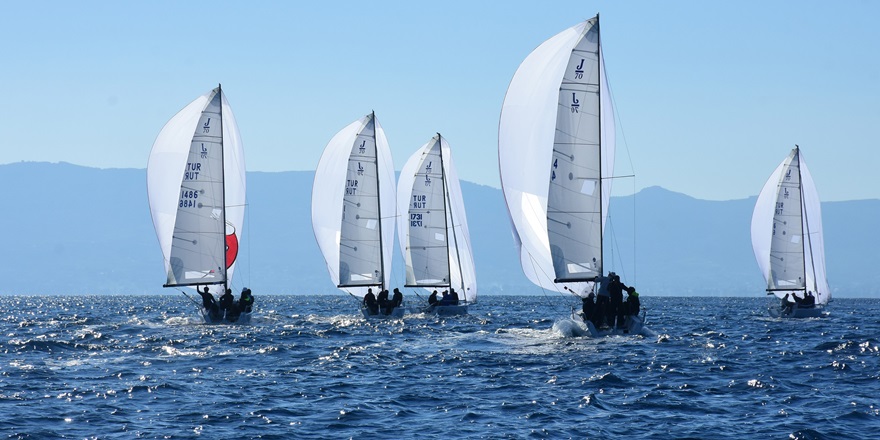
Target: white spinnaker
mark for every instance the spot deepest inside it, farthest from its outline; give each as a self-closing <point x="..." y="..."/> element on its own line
<point x="526" y="137"/>
<point x="790" y="249"/>
<point x="418" y="229"/>
<point x="332" y="178"/>
<point x="177" y="148"/>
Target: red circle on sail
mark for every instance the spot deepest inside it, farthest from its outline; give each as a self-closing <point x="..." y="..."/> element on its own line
<point x="231" y="249"/>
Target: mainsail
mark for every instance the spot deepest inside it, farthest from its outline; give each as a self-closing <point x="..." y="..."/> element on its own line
<point x="556" y="151"/>
<point x="787" y="232"/>
<point x="353" y="206"/>
<point x="196" y="189"/>
<point x="432" y="223"/>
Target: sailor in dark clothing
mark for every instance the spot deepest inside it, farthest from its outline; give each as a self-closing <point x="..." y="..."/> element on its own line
<point x="245" y="301"/>
<point x="786" y="304"/>
<point x="382" y="299"/>
<point x="226" y="301"/>
<point x="453" y="296"/>
<point x="432" y="300"/>
<point x="209" y="303"/>
<point x="617" y="314"/>
<point x="589" y="308"/>
<point x="370" y="303"/>
<point x="633" y="305"/>
<point x="809" y="300"/>
<point x="444" y="300"/>
<point x="396" y="301"/>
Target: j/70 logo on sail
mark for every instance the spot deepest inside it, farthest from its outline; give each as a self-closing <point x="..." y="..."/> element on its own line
<point x="575" y="103"/>
<point x="579" y="70"/>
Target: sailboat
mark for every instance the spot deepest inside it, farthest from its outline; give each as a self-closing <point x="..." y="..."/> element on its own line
<point x="353" y="208"/>
<point x="556" y="144"/>
<point x="196" y="189"/>
<point x="432" y="225"/>
<point x="787" y="239"/>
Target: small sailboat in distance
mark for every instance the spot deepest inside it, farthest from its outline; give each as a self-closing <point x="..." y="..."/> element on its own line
<point x="433" y="231"/>
<point x="353" y="208"/>
<point x="196" y="189"/>
<point x="556" y="143"/>
<point x="788" y="243"/>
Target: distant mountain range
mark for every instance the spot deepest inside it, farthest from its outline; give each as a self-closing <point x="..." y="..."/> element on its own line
<point x="72" y="230"/>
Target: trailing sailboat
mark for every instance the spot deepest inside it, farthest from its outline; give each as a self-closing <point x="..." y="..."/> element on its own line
<point x="196" y="189"/>
<point x="433" y="231"/>
<point x="787" y="240"/>
<point x="556" y="153"/>
<point x="353" y="208"/>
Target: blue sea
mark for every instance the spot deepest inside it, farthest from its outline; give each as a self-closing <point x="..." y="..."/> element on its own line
<point x="123" y="367"/>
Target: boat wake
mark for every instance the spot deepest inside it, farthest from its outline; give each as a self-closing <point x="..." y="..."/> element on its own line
<point x="569" y="328"/>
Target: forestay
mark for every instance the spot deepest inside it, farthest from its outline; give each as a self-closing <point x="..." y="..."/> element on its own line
<point x="432" y="223"/>
<point x="556" y="145"/>
<point x="790" y="260"/>
<point x="196" y="189"/>
<point x="353" y="206"/>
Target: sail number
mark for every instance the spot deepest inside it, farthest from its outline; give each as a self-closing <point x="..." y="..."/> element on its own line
<point x="415" y="220"/>
<point x="188" y="198"/>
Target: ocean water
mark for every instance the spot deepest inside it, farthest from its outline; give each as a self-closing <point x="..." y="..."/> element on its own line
<point x="123" y="367"/>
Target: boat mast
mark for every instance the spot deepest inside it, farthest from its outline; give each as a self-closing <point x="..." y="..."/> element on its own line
<point x="601" y="193"/>
<point x="806" y="223"/>
<point x="378" y="204"/>
<point x="223" y="192"/>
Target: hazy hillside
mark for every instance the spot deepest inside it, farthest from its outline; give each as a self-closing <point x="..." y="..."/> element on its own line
<point x="72" y="229"/>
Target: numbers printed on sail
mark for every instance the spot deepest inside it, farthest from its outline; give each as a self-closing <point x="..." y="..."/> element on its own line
<point x="415" y="220"/>
<point x="575" y="103"/>
<point x="188" y="198"/>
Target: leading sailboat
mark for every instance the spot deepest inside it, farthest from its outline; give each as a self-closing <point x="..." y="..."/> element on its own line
<point x="196" y="189"/>
<point x="433" y="230"/>
<point x="787" y="240"/>
<point x="556" y="152"/>
<point x="353" y="208"/>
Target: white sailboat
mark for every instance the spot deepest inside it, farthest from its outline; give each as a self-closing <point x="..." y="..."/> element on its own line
<point x="196" y="189"/>
<point x="353" y="208"/>
<point x="433" y="232"/>
<point x="787" y="239"/>
<point x="556" y="144"/>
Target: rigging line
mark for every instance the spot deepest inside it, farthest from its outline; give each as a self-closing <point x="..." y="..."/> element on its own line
<point x="195" y="303"/>
<point x="619" y="121"/>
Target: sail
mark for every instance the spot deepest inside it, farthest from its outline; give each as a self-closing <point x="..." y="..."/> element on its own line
<point x="196" y="189"/>
<point x="432" y="223"/>
<point x="787" y="207"/>
<point x="556" y="152"/>
<point x="353" y="206"/>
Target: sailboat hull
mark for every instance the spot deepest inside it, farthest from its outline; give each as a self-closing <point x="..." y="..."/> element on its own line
<point x="396" y="313"/>
<point x="817" y="311"/>
<point x="448" y="310"/>
<point x="242" y="319"/>
<point x="635" y="325"/>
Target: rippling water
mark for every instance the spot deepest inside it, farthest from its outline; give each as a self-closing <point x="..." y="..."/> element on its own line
<point x="310" y="367"/>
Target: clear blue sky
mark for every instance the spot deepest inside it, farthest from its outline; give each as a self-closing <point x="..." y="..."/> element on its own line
<point x="711" y="95"/>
